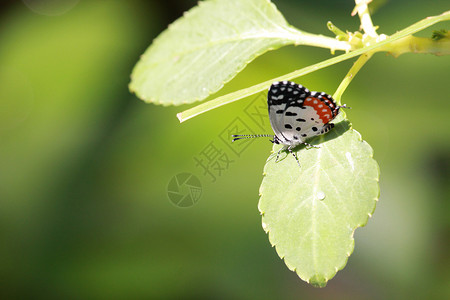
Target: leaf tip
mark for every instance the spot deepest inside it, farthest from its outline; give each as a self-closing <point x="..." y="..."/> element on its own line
<point x="318" y="281"/>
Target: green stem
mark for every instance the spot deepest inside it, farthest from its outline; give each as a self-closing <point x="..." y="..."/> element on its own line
<point x="340" y="35"/>
<point x="383" y="44"/>
<point x="366" y="21"/>
<point x="412" y="44"/>
<point x="361" y="61"/>
<point x="317" y="40"/>
<point x="235" y="96"/>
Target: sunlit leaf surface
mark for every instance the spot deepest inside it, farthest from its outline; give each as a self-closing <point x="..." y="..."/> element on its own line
<point x="311" y="212"/>
<point x="207" y="47"/>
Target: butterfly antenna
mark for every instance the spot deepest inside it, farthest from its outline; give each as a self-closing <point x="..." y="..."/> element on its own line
<point x="345" y="106"/>
<point x="249" y="136"/>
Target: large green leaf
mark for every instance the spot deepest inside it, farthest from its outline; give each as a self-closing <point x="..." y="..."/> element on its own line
<point x="209" y="45"/>
<point x="311" y="212"/>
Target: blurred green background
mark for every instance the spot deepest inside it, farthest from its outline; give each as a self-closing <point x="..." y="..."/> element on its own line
<point x="84" y="165"/>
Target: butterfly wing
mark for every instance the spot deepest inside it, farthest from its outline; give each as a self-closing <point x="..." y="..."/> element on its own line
<point x="297" y="114"/>
<point x="321" y="109"/>
<point x="285" y="100"/>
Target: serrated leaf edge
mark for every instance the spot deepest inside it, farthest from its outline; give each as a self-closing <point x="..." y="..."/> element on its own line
<point x="369" y="215"/>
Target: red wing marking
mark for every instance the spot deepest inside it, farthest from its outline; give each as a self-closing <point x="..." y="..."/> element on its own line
<point x="324" y="112"/>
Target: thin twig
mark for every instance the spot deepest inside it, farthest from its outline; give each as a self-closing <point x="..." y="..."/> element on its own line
<point x="366" y="21"/>
<point x="351" y="74"/>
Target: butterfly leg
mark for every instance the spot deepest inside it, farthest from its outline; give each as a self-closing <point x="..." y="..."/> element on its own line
<point x="309" y="146"/>
<point x="278" y="153"/>
<point x="294" y="154"/>
<point x="326" y="128"/>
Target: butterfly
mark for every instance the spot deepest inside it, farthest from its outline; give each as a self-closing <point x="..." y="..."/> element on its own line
<point x="297" y="114"/>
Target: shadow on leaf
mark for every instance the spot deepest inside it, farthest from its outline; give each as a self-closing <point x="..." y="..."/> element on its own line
<point x="339" y="129"/>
